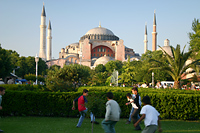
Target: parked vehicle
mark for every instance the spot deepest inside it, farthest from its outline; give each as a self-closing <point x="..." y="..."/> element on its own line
<point x="168" y="83"/>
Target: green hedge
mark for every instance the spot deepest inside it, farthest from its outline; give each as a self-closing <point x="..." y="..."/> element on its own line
<point x="141" y="90"/>
<point x="24" y="87"/>
<point x="30" y="103"/>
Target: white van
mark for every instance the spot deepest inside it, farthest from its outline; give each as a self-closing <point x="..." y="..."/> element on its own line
<point x="168" y="83"/>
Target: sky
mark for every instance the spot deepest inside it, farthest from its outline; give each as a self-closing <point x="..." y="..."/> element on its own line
<point x="71" y="19"/>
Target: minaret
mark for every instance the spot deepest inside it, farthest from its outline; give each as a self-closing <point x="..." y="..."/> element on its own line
<point x="154" y="34"/>
<point x="145" y="39"/>
<point x="49" y="42"/>
<point x="43" y="26"/>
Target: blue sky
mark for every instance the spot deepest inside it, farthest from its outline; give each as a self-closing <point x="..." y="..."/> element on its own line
<point x="71" y="19"/>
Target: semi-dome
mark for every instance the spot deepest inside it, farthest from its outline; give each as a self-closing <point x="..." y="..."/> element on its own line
<point x="167" y="49"/>
<point x="99" y="31"/>
<point x="103" y="60"/>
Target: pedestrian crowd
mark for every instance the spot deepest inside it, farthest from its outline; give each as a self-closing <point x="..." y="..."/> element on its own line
<point x="148" y="113"/>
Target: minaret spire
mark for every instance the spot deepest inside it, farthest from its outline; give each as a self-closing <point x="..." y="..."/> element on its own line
<point x="43" y="11"/>
<point x="49" y="26"/>
<point x="154" y="20"/>
<point x="49" y="42"/>
<point x="145" y="39"/>
<point x="99" y="23"/>
<point x="42" y="53"/>
<point x="154" y="33"/>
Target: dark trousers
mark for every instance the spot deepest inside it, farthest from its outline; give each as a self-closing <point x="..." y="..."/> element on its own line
<point x="134" y="117"/>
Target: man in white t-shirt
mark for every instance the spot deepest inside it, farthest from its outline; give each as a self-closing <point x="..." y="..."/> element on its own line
<point x="150" y="116"/>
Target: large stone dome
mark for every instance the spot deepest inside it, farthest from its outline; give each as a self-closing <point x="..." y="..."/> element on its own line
<point x="103" y="60"/>
<point x="99" y="31"/>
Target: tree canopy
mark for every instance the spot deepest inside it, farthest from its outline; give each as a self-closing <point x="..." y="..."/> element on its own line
<point x="5" y="63"/>
<point x="176" y="65"/>
<point x="195" y="39"/>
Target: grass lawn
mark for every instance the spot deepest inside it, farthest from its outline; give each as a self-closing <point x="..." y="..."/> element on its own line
<point x="68" y="125"/>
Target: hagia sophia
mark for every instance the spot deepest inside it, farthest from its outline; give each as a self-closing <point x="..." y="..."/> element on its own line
<point x="98" y="46"/>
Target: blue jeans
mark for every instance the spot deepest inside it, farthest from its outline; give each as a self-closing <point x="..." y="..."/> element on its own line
<point x="83" y="113"/>
<point x="132" y="109"/>
<point x="108" y="126"/>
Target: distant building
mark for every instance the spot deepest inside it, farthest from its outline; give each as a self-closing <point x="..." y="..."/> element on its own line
<point x="98" y="46"/>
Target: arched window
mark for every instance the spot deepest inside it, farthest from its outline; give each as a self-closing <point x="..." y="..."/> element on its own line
<point x="71" y="60"/>
<point x="75" y="61"/>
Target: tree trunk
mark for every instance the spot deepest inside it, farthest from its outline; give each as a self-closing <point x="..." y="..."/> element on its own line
<point x="93" y="123"/>
<point x="176" y="85"/>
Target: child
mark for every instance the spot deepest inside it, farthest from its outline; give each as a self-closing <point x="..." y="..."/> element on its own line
<point x="112" y="114"/>
<point x="137" y="108"/>
<point x="2" y="92"/>
<point x="82" y="109"/>
<point x="150" y="116"/>
<point x="130" y="99"/>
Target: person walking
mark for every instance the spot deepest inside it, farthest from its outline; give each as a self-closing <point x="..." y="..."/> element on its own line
<point x="82" y="109"/>
<point x="137" y="108"/>
<point x="112" y="115"/>
<point x="150" y="116"/>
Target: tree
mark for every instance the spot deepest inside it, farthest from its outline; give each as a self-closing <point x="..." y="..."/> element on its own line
<point x="96" y="104"/>
<point x="195" y="39"/>
<point x="5" y="63"/>
<point x="14" y="56"/>
<point x="28" y="66"/>
<point x="100" y="68"/>
<point x="176" y="64"/>
<point x="111" y="65"/>
<point x="128" y="73"/>
<point x="62" y="78"/>
<point x="99" y="78"/>
<point x="140" y="69"/>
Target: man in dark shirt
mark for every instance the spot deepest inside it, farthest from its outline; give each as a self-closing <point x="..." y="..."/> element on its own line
<point x="137" y="108"/>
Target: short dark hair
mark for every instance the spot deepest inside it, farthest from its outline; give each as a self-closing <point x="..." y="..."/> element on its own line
<point x="128" y="95"/>
<point x="146" y="100"/>
<point x="110" y="95"/>
<point x="2" y="88"/>
<point x="85" y="91"/>
<point x="135" y="88"/>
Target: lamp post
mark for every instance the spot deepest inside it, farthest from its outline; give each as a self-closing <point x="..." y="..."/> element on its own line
<point x="152" y="79"/>
<point x="36" y="61"/>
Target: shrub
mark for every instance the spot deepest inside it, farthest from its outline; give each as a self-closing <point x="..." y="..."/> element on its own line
<point x="35" y="100"/>
<point x="28" y="103"/>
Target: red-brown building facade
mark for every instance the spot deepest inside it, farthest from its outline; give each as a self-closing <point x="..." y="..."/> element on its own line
<point x="96" y="44"/>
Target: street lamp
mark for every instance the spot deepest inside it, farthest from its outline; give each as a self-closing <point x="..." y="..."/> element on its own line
<point x="152" y="79"/>
<point x="36" y="61"/>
